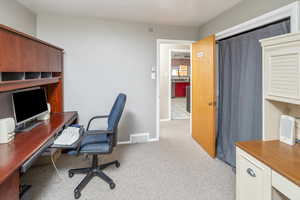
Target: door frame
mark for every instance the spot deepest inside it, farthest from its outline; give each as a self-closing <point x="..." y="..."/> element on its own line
<point x="158" y="43"/>
<point x="170" y="76"/>
<point x="291" y="11"/>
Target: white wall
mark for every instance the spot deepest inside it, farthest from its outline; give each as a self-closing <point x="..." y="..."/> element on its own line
<point x="16" y="16"/>
<point x="104" y="58"/>
<point x="165" y="77"/>
<point x="245" y="10"/>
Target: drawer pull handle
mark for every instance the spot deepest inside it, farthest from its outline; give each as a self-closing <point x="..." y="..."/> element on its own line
<point x="251" y="172"/>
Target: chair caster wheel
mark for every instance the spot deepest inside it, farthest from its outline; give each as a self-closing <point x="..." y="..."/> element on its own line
<point x="77" y="195"/>
<point x="112" y="186"/>
<point x="117" y="164"/>
<point x="71" y="174"/>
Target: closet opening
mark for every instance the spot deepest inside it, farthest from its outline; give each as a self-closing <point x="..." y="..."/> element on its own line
<point x="240" y="87"/>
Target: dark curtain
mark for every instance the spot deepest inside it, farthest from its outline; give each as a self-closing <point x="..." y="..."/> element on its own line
<point x="240" y="88"/>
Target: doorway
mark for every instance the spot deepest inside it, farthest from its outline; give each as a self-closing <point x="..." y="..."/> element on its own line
<point x="180" y="77"/>
<point x="173" y="81"/>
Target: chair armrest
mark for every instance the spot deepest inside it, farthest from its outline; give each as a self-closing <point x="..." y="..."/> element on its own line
<point x="96" y="132"/>
<point x="93" y="118"/>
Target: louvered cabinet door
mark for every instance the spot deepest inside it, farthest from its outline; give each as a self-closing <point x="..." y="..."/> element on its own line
<point x="282" y="72"/>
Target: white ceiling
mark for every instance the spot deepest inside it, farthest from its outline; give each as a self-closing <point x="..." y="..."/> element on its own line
<point x="171" y="12"/>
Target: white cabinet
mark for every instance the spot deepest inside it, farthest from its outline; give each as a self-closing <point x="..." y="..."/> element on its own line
<point x="281" y="65"/>
<point x="253" y="178"/>
<point x="257" y="181"/>
<point x="281" y="82"/>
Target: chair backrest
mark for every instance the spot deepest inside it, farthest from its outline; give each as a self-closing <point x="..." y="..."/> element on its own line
<point x="115" y="115"/>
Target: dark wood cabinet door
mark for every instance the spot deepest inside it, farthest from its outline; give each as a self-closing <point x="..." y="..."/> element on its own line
<point x="10" y="52"/>
<point x="9" y="189"/>
<point x="42" y="58"/>
<point x="55" y="59"/>
<point x="28" y="55"/>
<point x="22" y="54"/>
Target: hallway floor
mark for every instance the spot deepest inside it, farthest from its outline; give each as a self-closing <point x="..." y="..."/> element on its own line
<point x="175" y="168"/>
<point x="178" y="108"/>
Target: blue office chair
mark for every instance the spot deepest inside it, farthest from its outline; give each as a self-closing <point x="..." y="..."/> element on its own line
<point x="97" y="142"/>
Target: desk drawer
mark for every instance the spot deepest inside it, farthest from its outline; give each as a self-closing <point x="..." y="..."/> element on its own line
<point x="285" y="186"/>
<point x="253" y="178"/>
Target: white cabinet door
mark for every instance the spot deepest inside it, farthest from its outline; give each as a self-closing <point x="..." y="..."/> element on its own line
<point x="253" y="178"/>
<point x="281" y="65"/>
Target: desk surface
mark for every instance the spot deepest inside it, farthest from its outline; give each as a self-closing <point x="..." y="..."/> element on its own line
<point x="24" y="145"/>
<point x="282" y="158"/>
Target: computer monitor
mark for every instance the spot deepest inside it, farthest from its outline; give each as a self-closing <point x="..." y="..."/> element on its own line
<point x="29" y="105"/>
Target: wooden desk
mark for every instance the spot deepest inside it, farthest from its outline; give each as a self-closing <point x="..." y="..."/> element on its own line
<point x="14" y="154"/>
<point x="45" y="61"/>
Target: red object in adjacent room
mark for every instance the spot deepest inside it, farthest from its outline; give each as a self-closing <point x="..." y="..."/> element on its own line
<point x="180" y="89"/>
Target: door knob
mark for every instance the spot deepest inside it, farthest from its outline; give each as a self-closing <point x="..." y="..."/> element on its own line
<point x="213" y="103"/>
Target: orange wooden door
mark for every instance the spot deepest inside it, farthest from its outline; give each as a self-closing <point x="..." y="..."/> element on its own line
<point x="203" y="94"/>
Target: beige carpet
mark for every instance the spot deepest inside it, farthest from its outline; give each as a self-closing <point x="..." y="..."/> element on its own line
<point x="175" y="168"/>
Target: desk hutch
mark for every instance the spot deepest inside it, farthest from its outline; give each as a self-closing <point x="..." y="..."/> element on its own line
<point x="27" y="62"/>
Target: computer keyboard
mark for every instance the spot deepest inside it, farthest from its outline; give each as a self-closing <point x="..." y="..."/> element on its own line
<point x="68" y="136"/>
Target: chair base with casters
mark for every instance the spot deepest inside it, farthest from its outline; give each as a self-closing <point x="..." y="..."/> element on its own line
<point x="94" y="170"/>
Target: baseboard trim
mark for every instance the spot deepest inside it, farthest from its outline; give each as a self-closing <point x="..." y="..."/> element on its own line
<point x="153" y="139"/>
<point x="178" y="118"/>
<point x="124" y="142"/>
<point x="139" y="138"/>
<point x="130" y="142"/>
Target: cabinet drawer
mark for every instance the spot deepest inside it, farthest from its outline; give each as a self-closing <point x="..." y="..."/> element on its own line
<point x="286" y="187"/>
<point x="253" y="178"/>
